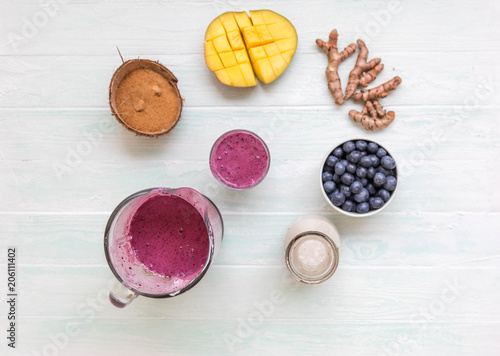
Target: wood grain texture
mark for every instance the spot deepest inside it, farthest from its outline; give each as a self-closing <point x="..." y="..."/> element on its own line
<point x="230" y="292"/>
<point x="166" y="30"/>
<point x="445" y="239"/>
<point x="25" y="80"/>
<point x="420" y="278"/>
<point x="290" y="186"/>
<point x="310" y="337"/>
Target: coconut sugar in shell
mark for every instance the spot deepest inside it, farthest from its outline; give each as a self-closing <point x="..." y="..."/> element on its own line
<point x="144" y="97"/>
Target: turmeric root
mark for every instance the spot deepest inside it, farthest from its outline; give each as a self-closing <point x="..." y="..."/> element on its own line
<point x="375" y="108"/>
<point x="371" y="75"/>
<point x="373" y="116"/>
<point x="367" y="70"/>
<point x="334" y="59"/>
<point x="379" y="92"/>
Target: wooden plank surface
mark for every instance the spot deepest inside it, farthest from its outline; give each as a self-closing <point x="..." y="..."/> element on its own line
<point x="25" y="78"/>
<point x="420" y="278"/>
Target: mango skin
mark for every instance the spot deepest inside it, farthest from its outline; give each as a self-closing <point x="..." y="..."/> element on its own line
<point x="239" y="46"/>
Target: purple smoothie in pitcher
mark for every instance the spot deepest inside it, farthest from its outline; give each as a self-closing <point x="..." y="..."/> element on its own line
<point x="239" y="159"/>
<point x="160" y="242"/>
<point x="164" y="243"/>
<point x="170" y="238"/>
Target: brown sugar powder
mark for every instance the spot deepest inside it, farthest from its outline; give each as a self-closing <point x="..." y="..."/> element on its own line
<point x="145" y="100"/>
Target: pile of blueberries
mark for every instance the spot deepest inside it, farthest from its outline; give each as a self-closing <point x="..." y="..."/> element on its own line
<point x="359" y="176"/>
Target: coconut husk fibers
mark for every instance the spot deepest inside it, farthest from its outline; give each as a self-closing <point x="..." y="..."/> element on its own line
<point x="144" y="97"/>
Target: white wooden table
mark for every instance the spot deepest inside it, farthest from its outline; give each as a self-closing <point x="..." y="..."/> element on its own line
<point x="420" y="278"/>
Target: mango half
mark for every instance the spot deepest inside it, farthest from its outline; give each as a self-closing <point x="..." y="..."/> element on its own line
<point x="238" y="47"/>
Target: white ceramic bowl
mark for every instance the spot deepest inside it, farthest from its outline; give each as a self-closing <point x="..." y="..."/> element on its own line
<point x="355" y="215"/>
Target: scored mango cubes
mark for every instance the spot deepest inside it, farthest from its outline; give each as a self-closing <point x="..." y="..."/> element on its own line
<point x="239" y="47"/>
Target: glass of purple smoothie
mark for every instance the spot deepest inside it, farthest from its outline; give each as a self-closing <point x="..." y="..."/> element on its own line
<point x="239" y="159"/>
<point x="160" y="242"/>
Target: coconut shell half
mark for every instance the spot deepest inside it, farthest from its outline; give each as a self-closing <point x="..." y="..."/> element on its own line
<point x="144" y="97"/>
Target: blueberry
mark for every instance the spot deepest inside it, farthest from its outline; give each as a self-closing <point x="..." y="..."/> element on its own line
<point x="376" y="203"/>
<point x="390" y="183"/>
<point x="336" y="178"/>
<point x="379" y="179"/>
<point x="388" y="162"/>
<point x="348" y="147"/>
<point x="344" y="162"/>
<point x="344" y="189"/>
<point x="361" y="172"/>
<point x="384" y="171"/>
<point x="338" y="198"/>
<point x="362" y="196"/>
<point x="349" y="206"/>
<point x="374" y="161"/>
<point x="381" y="152"/>
<point x="354" y="157"/>
<point x="327" y="176"/>
<point x="339" y="169"/>
<point x="356" y="187"/>
<point x="338" y="152"/>
<point x="371" y="189"/>
<point x="327" y="169"/>
<point x="347" y="178"/>
<point x="372" y="147"/>
<point x="364" y="181"/>
<point x="331" y="161"/>
<point x="365" y="162"/>
<point x="335" y="191"/>
<point x="363" y="208"/>
<point x="351" y="168"/>
<point x="361" y="145"/>
<point x="364" y="153"/>
<point x="370" y="173"/>
<point x="329" y="186"/>
<point x="384" y="194"/>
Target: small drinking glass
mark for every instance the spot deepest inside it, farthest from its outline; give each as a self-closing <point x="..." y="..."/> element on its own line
<point x="239" y="159"/>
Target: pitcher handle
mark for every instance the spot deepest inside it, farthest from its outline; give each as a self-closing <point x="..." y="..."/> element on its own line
<point x="120" y="296"/>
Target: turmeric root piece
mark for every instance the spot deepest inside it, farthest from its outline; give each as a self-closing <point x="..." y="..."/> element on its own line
<point x="379" y="92"/>
<point x="371" y="75"/>
<point x="334" y="59"/>
<point x="367" y="70"/>
<point x="373" y="116"/>
<point x="375" y="108"/>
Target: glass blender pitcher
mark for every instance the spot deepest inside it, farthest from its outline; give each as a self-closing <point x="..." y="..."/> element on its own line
<point x="160" y="242"/>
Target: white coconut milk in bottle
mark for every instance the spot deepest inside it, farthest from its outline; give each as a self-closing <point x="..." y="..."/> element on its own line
<point x="312" y="249"/>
